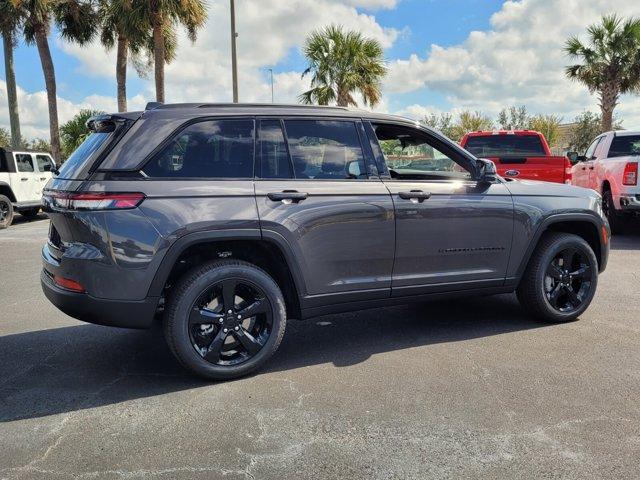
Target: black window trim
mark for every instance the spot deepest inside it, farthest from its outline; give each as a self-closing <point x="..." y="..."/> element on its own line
<point x="183" y="126"/>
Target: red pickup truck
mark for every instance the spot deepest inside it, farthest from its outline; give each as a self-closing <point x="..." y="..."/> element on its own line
<point x="519" y="154"/>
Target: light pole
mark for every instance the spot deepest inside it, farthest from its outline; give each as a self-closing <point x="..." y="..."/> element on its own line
<point x="234" y="61"/>
<point x="271" y="71"/>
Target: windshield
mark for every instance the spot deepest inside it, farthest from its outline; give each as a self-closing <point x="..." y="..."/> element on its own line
<point x="505" y="145"/>
<point x="75" y="164"/>
<point x="624" y="146"/>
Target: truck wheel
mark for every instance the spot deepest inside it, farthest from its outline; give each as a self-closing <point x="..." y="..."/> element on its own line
<point x="6" y="212"/>
<point x="615" y="218"/>
<point x="224" y="319"/>
<point x="30" y="213"/>
<point x="561" y="278"/>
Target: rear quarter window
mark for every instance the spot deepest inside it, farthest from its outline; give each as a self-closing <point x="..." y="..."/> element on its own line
<point x="207" y="149"/>
<point x="84" y="154"/>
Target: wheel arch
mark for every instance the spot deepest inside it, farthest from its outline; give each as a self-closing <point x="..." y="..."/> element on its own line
<point x="5" y="189"/>
<point x="268" y="253"/>
<point x="585" y="225"/>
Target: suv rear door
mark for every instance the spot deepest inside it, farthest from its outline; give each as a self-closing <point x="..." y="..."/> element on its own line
<point x="452" y="232"/>
<point x="45" y="166"/>
<point x="315" y="192"/>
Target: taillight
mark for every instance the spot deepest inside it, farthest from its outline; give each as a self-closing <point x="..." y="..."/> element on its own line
<point x="68" y="284"/>
<point x="568" y="174"/>
<point x="94" y="201"/>
<point x="630" y="175"/>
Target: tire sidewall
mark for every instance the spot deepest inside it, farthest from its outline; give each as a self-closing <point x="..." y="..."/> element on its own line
<point x="545" y="259"/>
<point x="179" y="325"/>
<point x="9" y="219"/>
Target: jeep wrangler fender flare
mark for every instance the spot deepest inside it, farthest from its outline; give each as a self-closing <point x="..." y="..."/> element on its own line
<point x="559" y="218"/>
<point x="5" y="189"/>
<point x="183" y="243"/>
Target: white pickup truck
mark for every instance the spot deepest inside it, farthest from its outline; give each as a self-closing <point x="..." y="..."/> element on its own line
<point x="610" y="167"/>
<point x="23" y="175"/>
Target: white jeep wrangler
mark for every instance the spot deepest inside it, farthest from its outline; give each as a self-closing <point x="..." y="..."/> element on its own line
<point x="23" y="175"/>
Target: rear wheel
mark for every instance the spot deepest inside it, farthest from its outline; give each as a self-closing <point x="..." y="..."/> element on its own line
<point x="6" y="212"/>
<point x="225" y="319"/>
<point x="615" y="218"/>
<point x="561" y="278"/>
<point x="30" y="213"/>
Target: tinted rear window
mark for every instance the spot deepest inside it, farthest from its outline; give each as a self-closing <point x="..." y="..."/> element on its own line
<point x="84" y="154"/>
<point x="210" y="149"/>
<point x="505" y="145"/>
<point x="625" y="146"/>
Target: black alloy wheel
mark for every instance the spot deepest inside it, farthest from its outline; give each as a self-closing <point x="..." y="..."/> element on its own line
<point x="567" y="280"/>
<point x="230" y="322"/>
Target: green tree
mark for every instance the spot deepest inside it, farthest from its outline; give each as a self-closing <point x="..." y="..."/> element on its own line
<point x="5" y="138"/>
<point x="443" y="123"/>
<point x="38" y="144"/>
<point x="342" y="63"/>
<point x="469" y="121"/>
<point x="513" y="118"/>
<point x="585" y="128"/>
<point x="163" y="16"/>
<point x="74" y="132"/>
<point x="76" y="21"/>
<point x="548" y="125"/>
<point x="609" y="62"/>
<point x="124" y="27"/>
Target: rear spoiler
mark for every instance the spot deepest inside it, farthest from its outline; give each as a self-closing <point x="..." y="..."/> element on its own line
<point x="107" y="123"/>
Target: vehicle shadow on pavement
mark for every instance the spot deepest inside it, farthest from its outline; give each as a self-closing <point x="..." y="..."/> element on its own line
<point x="79" y="367"/>
<point x="630" y="240"/>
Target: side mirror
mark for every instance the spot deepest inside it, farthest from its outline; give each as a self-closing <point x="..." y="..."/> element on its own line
<point x="486" y="171"/>
<point x="48" y="167"/>
<point x="573" y="157"/>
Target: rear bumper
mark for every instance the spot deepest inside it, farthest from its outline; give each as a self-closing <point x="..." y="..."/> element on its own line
<point x="113" y="313"/>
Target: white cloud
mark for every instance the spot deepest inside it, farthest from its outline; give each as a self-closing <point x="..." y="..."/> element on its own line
<point x="520" y="60"/>
<point x="34" y="111"/>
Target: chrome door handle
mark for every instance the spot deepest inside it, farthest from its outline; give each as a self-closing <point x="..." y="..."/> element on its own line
<point x="415" y="195"/>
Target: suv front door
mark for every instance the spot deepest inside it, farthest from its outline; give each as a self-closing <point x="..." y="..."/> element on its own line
<point x="314" y="194"/>
<point x="452" y="232"/>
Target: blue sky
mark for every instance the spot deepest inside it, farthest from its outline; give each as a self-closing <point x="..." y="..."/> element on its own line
<point x="443" y="55"/>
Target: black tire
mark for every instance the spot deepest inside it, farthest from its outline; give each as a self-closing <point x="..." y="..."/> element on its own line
<point x="184" y="335"/>
<point x="543" y="282"/>
<point x="615" y="218"/>
<point x="30" y="213"/>
<point x="6" y="212"/>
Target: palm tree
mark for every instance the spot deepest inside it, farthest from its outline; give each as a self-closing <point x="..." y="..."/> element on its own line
<point x="121" y="25"/>
<point x="342" y="63"/>
<point x="163" y="16"/>
<point x="610" y="62"/>
<point x="9" y="24"/>
<point x="76" y="21"/>
<point x="75" y="131"/>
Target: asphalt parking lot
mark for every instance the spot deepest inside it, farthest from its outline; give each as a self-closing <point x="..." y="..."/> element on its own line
<point x="466" y="388"/>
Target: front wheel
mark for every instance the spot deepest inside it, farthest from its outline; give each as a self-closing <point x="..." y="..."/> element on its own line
<point x="224" y="319"/>
<point x="6" y="212"/>
<point x="561" y="278"/>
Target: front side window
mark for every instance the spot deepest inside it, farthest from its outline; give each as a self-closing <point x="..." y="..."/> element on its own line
<point x="24" y="162"/>
<point x="625" y="146"/>
<point x="592" y="148"/>
<point x="325" y="149"/>
<point x="209" y="149"/>
<point x="410" y="154"/>
<point x="45" y="164"/>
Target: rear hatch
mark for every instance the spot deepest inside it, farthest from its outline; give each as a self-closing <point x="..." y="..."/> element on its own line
<point x="106" y="131"/>
<point x="520" y="156"/>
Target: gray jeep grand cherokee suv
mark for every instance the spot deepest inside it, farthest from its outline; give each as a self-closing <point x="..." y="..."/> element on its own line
<point x="229" y="219"/>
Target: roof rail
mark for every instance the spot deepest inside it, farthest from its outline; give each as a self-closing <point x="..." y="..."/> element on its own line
<point x="157" y="105"/>
<point x="153" y="105"/>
